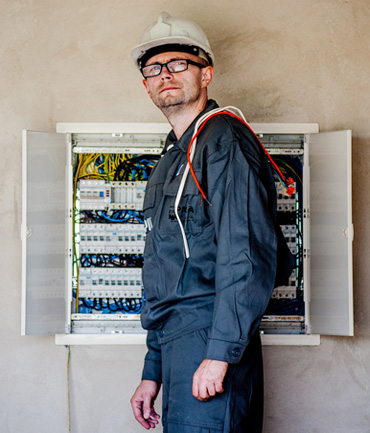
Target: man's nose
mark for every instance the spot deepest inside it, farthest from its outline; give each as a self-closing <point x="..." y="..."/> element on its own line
<point x="165" y="72"/>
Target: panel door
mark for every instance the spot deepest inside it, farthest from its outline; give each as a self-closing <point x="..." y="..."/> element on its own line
<point x="44" y="234"/>
<point x="331" y="233"/>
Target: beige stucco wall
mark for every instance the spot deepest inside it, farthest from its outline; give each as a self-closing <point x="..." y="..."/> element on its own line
<point x="279" y="61"/>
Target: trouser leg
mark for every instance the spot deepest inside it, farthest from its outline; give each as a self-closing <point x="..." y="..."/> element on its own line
<point x="238" y="409"/>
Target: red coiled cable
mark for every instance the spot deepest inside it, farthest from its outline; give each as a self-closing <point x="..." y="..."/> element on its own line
<point x="286" y="182"/>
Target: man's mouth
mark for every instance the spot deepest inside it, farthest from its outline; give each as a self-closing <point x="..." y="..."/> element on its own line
<point x="165" y="89"/>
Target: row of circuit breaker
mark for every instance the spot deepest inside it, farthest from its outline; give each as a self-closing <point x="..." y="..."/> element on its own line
<point x="112" y="238"/>
<point x="98" y="194"/>
<point x="110" y="283"/>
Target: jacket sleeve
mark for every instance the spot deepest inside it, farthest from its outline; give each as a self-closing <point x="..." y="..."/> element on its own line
<point x="153" y="362"/>
<point x="247" y="247"/>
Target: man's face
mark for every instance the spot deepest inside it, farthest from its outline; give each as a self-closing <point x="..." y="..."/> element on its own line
<point x="177" y="89"/>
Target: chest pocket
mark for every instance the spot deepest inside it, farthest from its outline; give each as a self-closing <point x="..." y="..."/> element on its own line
<point x="189" y="209"/>
<point x="151" y="204"/>
<point x="149" y="199"/>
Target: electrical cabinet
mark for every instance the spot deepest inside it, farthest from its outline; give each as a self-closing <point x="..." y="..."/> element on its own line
<point x="83" y="231"/>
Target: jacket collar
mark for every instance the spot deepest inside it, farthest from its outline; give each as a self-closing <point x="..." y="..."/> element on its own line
<point x="185" y="139"/>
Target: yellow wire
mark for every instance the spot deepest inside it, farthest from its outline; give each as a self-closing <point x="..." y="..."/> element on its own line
<point x="90" y="166"/>
<point x="292" y="169"/>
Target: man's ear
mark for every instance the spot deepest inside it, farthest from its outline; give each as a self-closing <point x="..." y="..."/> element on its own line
<point x="207" y="75"/>
<point x="147" y="88"/>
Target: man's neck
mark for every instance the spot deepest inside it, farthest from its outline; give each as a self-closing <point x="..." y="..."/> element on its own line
<point x="180" y="117"/>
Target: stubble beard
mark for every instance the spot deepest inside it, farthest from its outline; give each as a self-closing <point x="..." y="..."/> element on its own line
<point x="170" y="105"/>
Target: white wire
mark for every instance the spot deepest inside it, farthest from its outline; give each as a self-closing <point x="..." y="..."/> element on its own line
<point x="202" y="119"/>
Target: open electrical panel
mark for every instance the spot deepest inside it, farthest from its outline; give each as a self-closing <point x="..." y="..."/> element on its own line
<point x="83" y="229"/>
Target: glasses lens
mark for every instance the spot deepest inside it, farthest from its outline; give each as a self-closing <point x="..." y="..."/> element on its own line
<point x="151" y="70"/>
<point x="177" y="66"/>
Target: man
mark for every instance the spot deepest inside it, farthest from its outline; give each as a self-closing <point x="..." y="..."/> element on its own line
<point x="211" y="248"/>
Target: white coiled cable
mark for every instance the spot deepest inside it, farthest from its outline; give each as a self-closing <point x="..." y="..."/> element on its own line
<point x="202" y="119"/>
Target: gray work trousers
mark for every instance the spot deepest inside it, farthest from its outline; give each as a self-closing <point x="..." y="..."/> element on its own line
<point x="239" y="409"/>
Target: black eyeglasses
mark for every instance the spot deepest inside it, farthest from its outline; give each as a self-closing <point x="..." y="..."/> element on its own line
<point x="174" y="66"/>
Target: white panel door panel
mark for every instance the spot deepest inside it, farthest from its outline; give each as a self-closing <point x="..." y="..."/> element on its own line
<point x="331" y="233"/>
<point x="44" y="233"/>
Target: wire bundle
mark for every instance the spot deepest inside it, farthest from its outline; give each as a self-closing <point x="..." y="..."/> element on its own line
<point x="113" y="166"/>
<point x="109" y="306"/>
<point x="111" y="260"/>
<point x="136" y="168"/>
<point x="115" y="216"/>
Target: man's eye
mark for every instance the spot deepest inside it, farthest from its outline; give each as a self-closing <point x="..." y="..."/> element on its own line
<point x="177" y="66"/>
<point x="178" y="63"/>
<point x="155" y="68"/>
<point x="152" y="69"/>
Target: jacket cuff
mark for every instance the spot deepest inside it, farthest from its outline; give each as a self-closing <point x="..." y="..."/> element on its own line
<point x="152" y="371"/>
<point x="224" y="351"/>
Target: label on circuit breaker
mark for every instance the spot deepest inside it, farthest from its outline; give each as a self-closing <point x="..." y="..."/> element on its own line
<point x="112" y="238"/>
<point x="94" y="194"/>
<point x="110" y="283"/>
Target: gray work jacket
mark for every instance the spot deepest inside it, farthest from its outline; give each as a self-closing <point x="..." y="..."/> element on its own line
<point x="227" y="281"/>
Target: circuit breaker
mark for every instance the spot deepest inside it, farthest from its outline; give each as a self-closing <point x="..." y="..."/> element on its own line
<point x="83" y="229"/>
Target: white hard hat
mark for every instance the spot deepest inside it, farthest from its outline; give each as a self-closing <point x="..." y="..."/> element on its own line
<point x="178" y="34"/>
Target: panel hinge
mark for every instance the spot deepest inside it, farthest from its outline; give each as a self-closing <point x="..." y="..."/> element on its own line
<point x="306" y="253"/>
<point x="28" y="232"/>
<point x="306" y="213"/>
<point x="348" y="232"/>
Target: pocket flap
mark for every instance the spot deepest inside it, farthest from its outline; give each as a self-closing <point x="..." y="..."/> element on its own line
<point x="149" y="199"/>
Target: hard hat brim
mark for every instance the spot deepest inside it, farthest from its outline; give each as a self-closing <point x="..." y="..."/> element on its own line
<point x="139" y="51"/>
